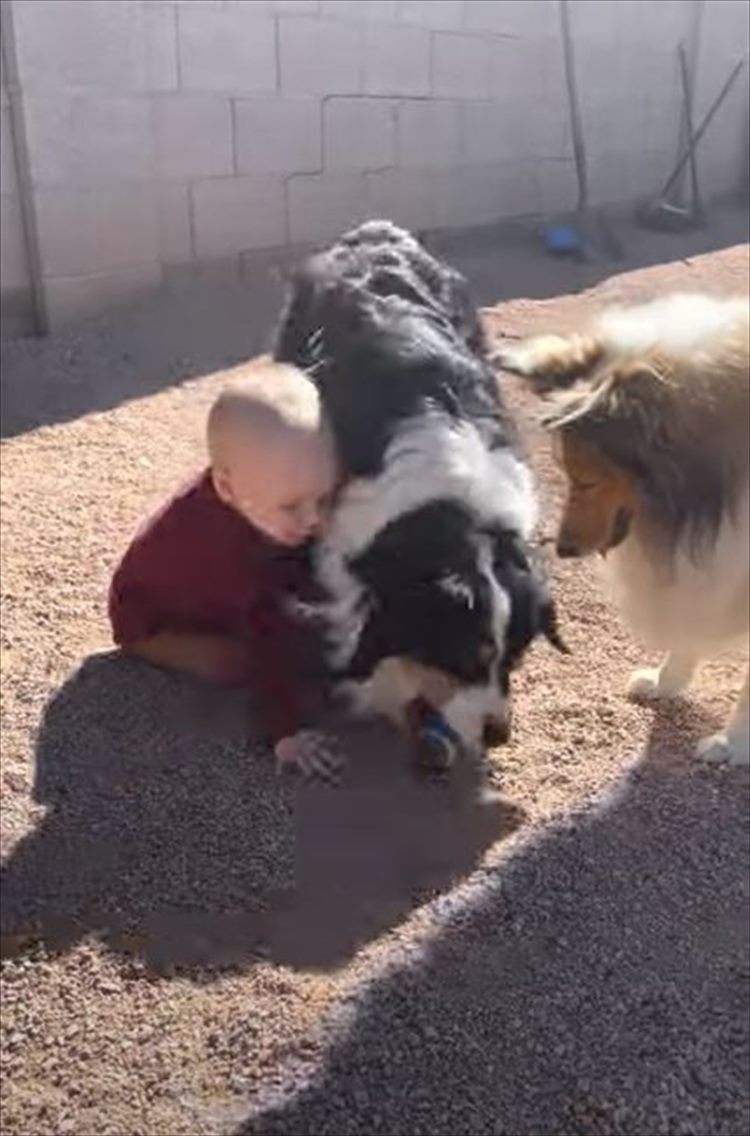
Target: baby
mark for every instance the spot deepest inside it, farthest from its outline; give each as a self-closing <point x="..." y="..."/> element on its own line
<point x="206" y="585"/>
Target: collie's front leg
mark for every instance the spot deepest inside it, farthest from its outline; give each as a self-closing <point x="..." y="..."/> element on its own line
<point x="648" y="684"/>
<point x="732" y="746"/>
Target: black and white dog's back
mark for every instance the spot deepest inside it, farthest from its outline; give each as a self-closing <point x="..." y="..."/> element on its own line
<point x="427" y="558"/>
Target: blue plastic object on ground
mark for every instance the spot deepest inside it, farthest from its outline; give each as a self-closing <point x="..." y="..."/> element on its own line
<point x="561" y="239"/>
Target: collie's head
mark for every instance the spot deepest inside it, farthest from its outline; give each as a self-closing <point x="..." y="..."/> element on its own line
<point x="643" y="445"/>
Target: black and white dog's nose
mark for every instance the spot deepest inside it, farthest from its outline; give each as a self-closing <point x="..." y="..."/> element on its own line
<point x="496" y="732"/>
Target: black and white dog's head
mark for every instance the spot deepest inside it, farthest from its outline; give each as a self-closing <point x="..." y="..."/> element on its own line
<point x="427" y="557"/>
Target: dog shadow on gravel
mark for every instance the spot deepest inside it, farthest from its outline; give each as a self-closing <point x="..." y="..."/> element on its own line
<point x="169" y="835"/>
<point x="595" y="982"/>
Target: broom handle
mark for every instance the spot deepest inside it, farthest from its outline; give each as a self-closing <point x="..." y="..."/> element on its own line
<point x="693" y="142"/>
<point x="579" y="150"/>
<point x="687" y="96"/>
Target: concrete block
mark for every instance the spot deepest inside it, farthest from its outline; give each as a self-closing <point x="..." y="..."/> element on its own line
<point x="95" y="230"/>
<point x="8" y="168"/>
<point x="530" y="74"/>
<point x="667" y="23"/>
<point x="192" y="137"/>
<point x="160" y="48"/>
<point x="601" y="22"/>
<point x="300" y="7"/>
<point x="402" y="196"/>
<point x="517" y="189"/>
<point x="546" y="134"/>
<point x="89" y="140"/>
<point x="468" y="196"/>
<point x="320" y="56"/>
<point x="69" y="300"/>
<point x="432" y="13"/>
<point x="232" y="215"/>
<point x="460" y="66"/>
<point x="282" y="134"/>
<point x="322" y="206"/>
<point x="516" y="72"/>
<point x="80" y="45"/>
<point x="489" y="132"/>
<point x="14" y="267"/>
<point x="507" y="17"/>
<point x="397" y="60"/>
<point x="556" y="185"/>
<point x="429" y="134"/>
<point x="359" y="134"/>
<point x="360" y="9"/>
<point x="173" y="223"/>
<point x="232" y="50"/>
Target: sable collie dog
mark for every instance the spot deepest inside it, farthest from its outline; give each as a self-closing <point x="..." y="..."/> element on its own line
<point x="651" y="415"/>
<point x="427" y="561"/>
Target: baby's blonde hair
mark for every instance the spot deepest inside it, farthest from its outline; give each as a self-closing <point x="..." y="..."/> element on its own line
<point x="264" y="398"/>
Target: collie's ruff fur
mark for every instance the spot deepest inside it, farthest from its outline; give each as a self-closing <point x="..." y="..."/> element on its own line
<point x="650" y="410"/>
<point x="427" y="561"/>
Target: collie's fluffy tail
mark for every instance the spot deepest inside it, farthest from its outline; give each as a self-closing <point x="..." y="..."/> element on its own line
<point x="550" y="360"/>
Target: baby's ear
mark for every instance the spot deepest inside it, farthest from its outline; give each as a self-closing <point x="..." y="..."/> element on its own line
<point x="222" y="484"/>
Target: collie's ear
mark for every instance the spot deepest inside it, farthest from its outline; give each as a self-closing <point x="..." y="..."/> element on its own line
<point x="628" y="416"/>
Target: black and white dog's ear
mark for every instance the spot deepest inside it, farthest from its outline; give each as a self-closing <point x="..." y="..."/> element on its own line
<point x="546" y="609"/>
<point x="458" y="589"/>
<point x="550" y="627"/>
<point x="533" y="609"/>
<point x="372" y="647"/>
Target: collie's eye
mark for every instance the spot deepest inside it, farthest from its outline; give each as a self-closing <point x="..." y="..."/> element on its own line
<point x="585" y="486"/>
<point x="487" y="652"/>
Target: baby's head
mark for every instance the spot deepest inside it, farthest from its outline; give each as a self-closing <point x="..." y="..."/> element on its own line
<point x="271" y="451"/>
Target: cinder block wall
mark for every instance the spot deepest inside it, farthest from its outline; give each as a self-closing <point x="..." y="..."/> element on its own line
<point x="15" y="272"/>
<point x="166" y="133"/>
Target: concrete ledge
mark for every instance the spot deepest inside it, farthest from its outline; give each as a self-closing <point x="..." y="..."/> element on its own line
<point x="16" y="313"/>
<point x="69" y="300"/>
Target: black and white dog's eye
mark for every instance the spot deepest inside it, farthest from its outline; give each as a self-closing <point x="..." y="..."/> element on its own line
<point x="487" y="652"/>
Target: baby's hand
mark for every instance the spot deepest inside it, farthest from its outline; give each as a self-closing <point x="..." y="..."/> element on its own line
<point x="310" y="752"/>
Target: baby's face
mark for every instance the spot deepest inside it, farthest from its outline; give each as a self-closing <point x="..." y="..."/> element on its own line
<point x="284" y="488"/>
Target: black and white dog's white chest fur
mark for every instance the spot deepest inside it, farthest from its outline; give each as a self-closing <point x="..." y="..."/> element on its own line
<point x="427" y="557"/>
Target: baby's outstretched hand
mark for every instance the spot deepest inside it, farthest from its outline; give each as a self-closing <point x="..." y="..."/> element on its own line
<point x="311" y="752"/>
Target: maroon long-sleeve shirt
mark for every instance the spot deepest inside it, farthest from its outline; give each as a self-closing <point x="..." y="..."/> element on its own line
<point x="199" y="567"/>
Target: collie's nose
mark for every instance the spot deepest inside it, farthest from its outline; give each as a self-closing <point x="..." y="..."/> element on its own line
<point x="566" y="548"/>
<point x="496" y="732"/>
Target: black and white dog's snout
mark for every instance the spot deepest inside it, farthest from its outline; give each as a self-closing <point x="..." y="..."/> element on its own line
<point x="496" y="732"/>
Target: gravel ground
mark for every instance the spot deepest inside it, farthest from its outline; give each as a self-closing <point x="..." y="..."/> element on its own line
<point x="192" y="946"/>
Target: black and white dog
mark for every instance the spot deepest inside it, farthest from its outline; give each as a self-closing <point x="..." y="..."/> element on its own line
<point x="427" y="559"/>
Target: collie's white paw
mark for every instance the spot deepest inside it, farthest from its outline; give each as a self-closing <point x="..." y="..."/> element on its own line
<point x="643" y="685"/>
<point x="723" y="749"/>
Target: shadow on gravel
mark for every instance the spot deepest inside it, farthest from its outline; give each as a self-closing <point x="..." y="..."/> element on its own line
<point x="596" y="983"/>
<point x="170" y="837"/>
<point x="219" y="315"/>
